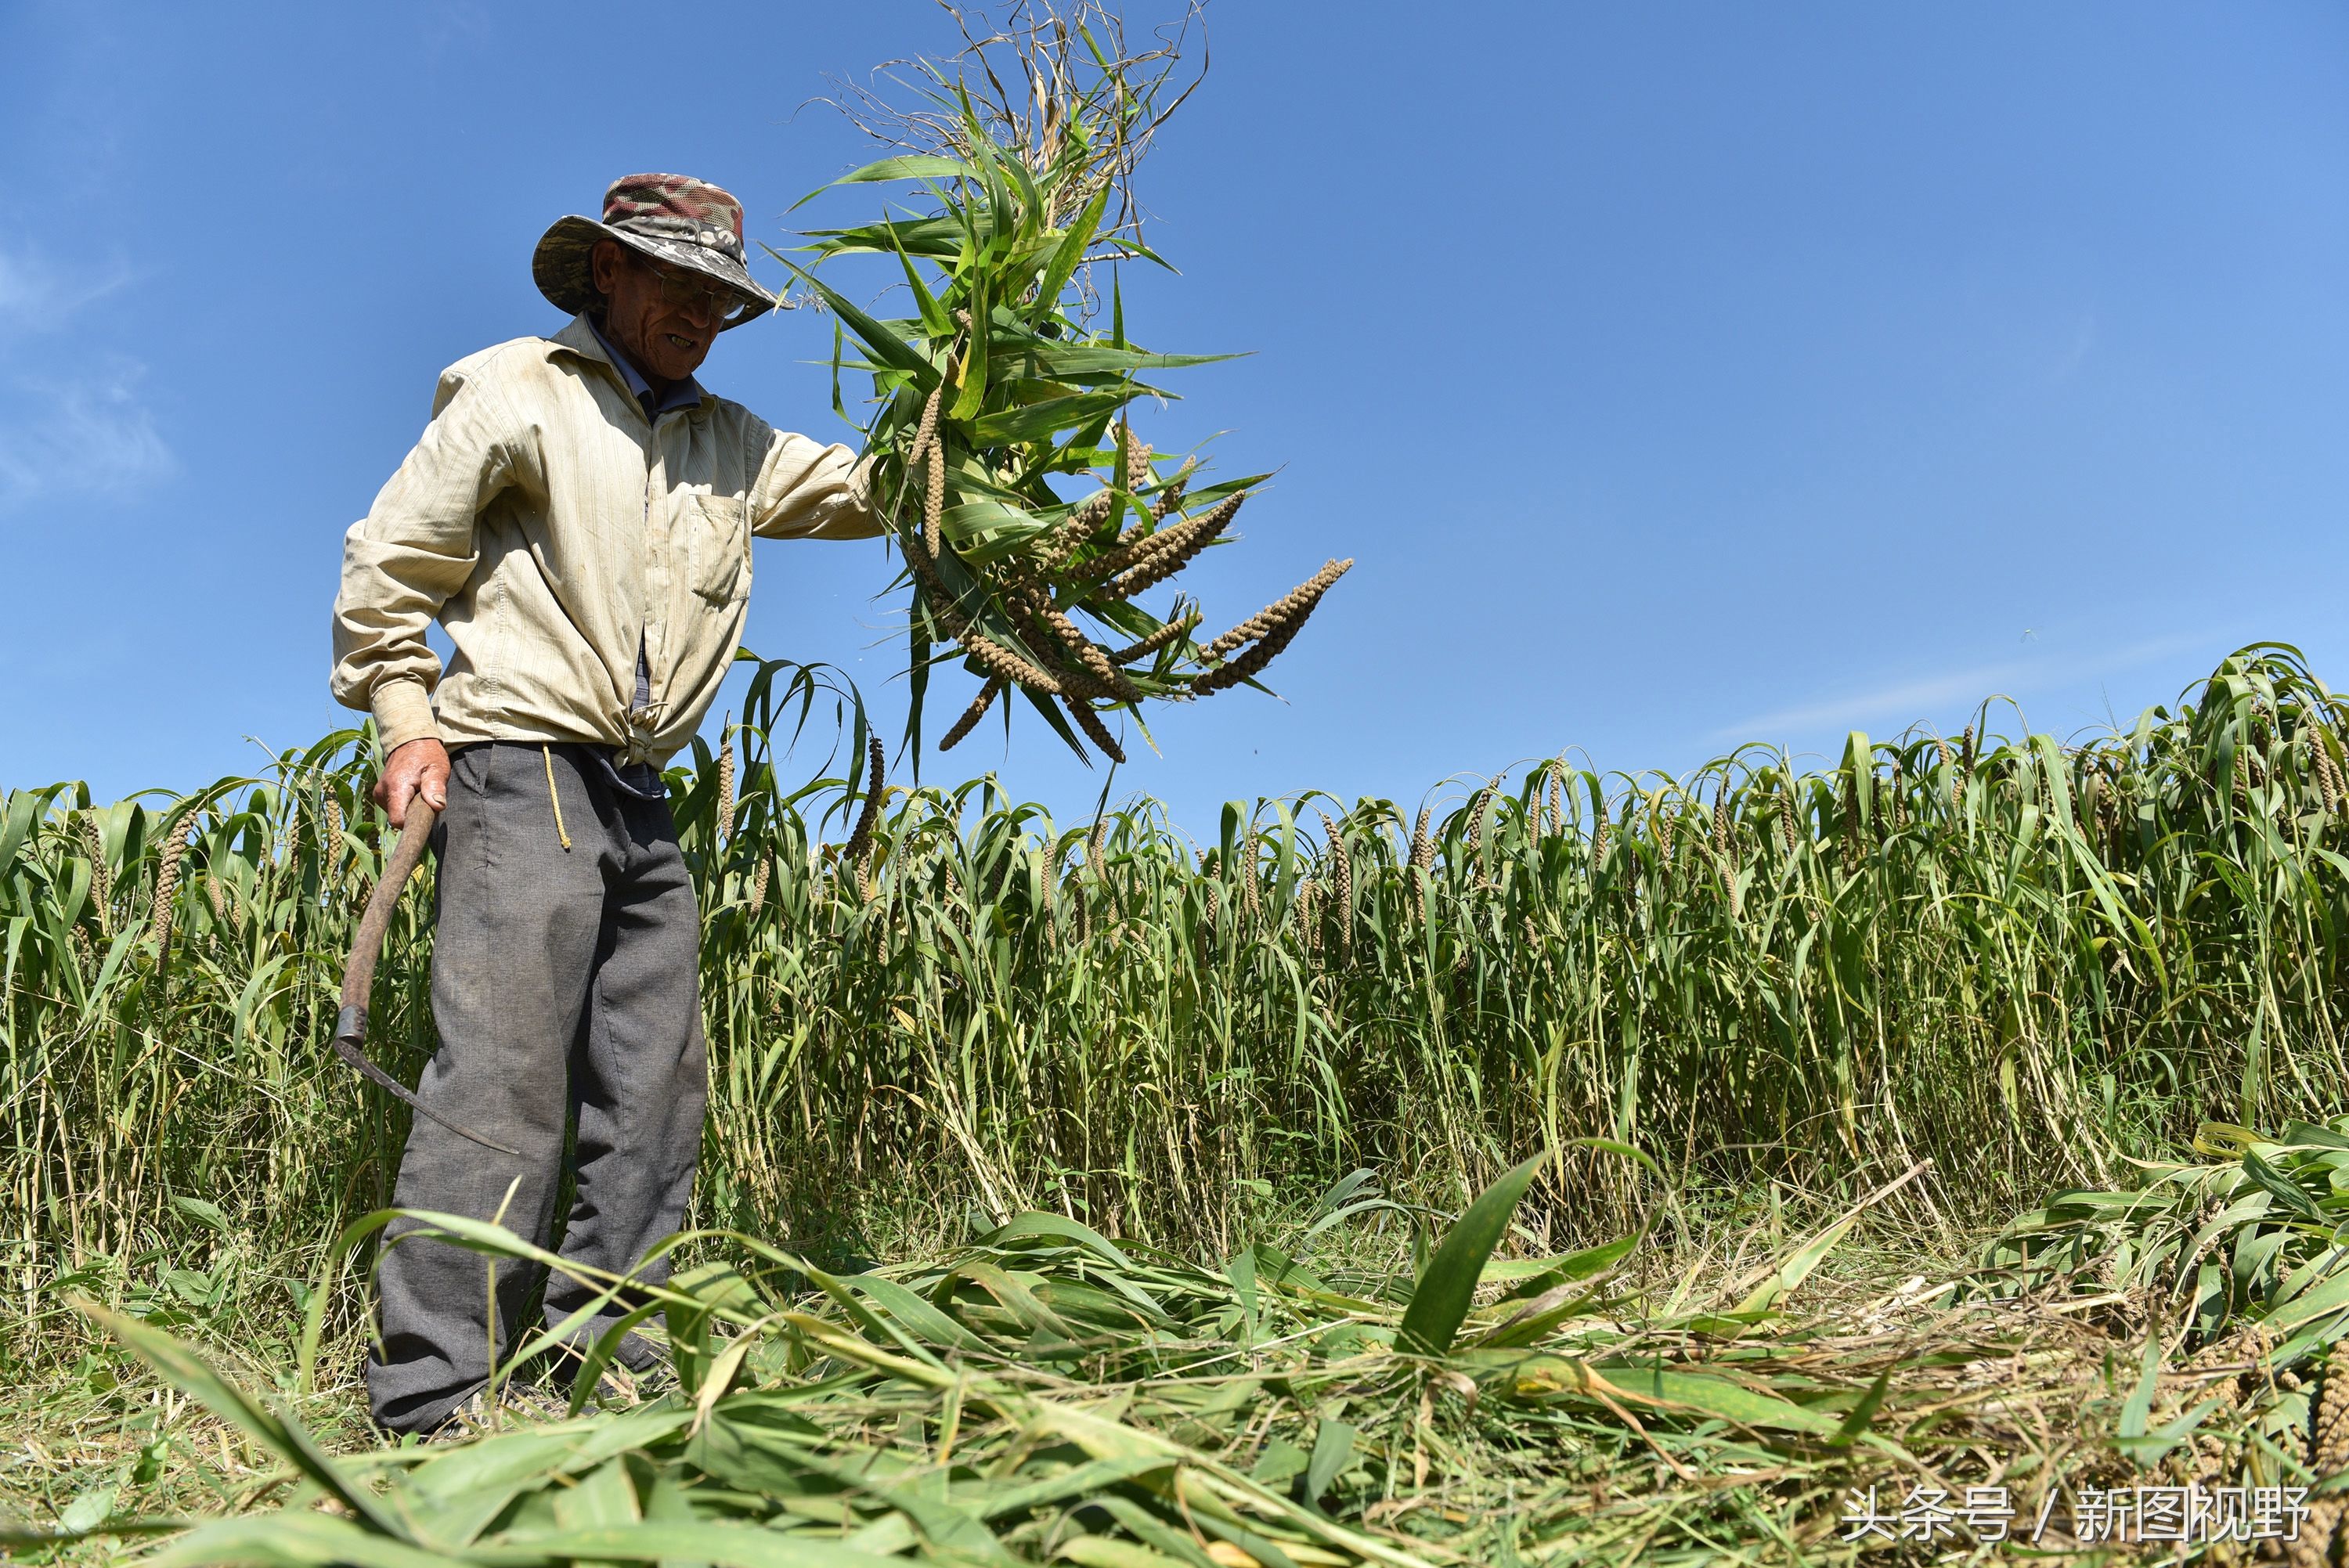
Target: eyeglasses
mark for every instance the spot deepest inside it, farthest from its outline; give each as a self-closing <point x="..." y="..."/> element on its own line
<point x="682" y="293"/>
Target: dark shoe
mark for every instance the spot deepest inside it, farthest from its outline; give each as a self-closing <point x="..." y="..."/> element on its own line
<point x="517" y="1403"/>
<point x="618" y="1386"/>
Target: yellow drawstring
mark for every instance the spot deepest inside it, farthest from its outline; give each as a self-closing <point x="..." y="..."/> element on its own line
<point x="547" y="753"/>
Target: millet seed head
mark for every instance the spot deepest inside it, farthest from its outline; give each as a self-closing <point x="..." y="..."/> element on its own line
<point x="1170" y="494"/>
<point x="1179" y="626"/>
<point x="101" y="879"/>
<point x="1095" y="731"/>
<point x="860" y="839"/>
<point x="973" y="714"/>
<point x="1250" y="663"/>
<point x="1298" y="601"/>
<point x="1003" y="665"/>
<point x="725" y="786"/>
<point x="167" y="883"/>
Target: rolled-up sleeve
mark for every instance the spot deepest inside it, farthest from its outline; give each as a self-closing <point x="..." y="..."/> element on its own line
<point x="806" y="489"/>
<point x="415" y="548"/>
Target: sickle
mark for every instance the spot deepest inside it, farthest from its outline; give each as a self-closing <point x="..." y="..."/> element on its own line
<point x="358" y="973"/>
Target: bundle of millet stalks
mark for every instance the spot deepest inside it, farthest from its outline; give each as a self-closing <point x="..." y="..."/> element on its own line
<point x="1004" y="387"/>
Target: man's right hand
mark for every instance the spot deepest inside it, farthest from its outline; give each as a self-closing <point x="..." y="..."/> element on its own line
<point x="419" y="767"/>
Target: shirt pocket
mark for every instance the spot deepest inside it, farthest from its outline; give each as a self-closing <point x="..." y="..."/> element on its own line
<point x="718" y="532"/>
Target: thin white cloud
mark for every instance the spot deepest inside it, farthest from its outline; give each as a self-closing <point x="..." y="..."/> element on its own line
<point x="2075" y="352"/>
<point x="91" y="434"/>
<point x="37" y="293"/>
<point x="1906" y="701"/>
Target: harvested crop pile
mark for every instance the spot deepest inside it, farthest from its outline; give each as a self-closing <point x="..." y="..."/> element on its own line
<point x="1005" y="385"/>
<point x="1042" y="1394"/>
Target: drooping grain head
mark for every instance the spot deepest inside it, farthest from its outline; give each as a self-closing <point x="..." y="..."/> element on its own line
<point x="167" y="888"/>
<point x="860" y="841"/>
<point x="725" y="786"/>
<point x="101" y="879"/>
<point x="1420" y="864"/>
<point x="2328" y="776"/>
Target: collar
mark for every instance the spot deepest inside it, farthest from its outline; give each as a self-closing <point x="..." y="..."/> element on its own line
<point x="584" y="338"/>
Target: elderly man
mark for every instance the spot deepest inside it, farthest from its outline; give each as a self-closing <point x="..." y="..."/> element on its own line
<point x="578" y="516"/>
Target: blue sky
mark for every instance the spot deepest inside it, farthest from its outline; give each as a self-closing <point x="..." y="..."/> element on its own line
<point x="1678" y="375"/>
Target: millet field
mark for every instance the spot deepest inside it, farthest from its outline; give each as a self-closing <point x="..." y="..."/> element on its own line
<point x="1564" y="1168"/>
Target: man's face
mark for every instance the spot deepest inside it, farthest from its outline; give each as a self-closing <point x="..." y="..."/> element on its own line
<point x="663" y="317"/>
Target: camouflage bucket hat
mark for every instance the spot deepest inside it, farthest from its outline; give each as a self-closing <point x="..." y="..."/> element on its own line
<point x="688" y="223"/>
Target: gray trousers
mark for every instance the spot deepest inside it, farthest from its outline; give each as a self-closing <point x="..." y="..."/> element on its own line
<point x="564" y="991"/>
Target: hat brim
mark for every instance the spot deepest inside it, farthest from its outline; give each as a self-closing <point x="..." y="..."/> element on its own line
<point x="561" y="267"/>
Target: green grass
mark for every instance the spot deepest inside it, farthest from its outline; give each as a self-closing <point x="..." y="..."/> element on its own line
<point x="2034" y="963"/>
